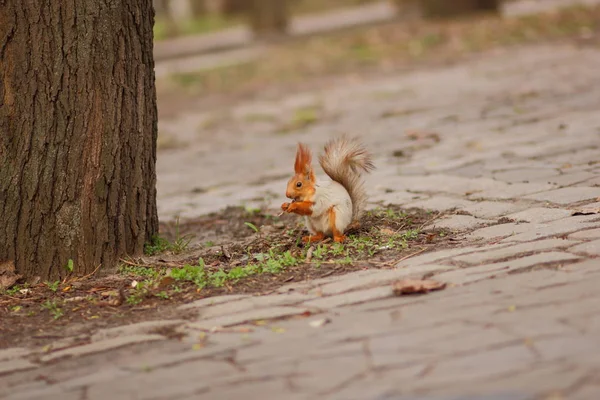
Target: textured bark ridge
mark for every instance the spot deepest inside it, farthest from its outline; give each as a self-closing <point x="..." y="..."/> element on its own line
<point x="77" y="133"/>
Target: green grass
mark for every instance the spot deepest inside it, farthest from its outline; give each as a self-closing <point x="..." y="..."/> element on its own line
<point x="159" y="244"/>
<point x="53" y="307"/>
<point x="385" y="230"/>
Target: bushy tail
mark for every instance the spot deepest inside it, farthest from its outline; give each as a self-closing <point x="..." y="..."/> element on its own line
<point x="344" y="160"/>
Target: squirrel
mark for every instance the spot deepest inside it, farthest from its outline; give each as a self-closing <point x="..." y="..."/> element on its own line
<point x="331" y="207"/>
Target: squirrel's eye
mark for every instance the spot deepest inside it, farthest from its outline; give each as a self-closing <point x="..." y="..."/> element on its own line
<point x="299" y="184"/>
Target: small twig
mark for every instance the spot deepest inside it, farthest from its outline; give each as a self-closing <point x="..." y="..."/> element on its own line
<point x="410" y="255"/>
<point x="93" y="272"/>
<point x="429" y="220"/>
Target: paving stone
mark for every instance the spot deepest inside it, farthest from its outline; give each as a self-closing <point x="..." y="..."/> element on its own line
<point x="460" y="222"/>
<point x="505" y="252"/>
<point x="378" y="277"/>
<point x="140" y="328"/>
<point x="586" y="267"/>
<point x="49" y="393"/>
<point x="591" y="248"/>
<point x="344" y="299"/>
<point x="540" y="214"/>
<point x="440" y="203"/>
<point x="250" y="303"/>
<point x="100" y="346"/>
<point x="168" y="383"/>
<point x="448" y="184"/>
<point x="490" y="209"/>
<point x="567" y="195"/>
<point x="211" y="301"/>
<point x="14" y="365"/>
<point x="556" y="228"/>
<point x="259" y="389"/>
<point x="569" y="179"/>
<point x="104" y="375"/>
<point x="472" y="274"/>
<point x="525" y="175"/>
<point x="247" y="316"/>
<point x="514" y="191"/>
<point x="539" y="382"/>
<point x="12" y="353"/>
<point x="481" y="365"/>
<point x="567" y="346"/>
<point x="432" y="257"/>
<point x="501" y="230"/>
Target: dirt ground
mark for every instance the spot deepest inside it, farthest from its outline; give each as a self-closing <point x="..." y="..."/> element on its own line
<point x="144" y="288"/>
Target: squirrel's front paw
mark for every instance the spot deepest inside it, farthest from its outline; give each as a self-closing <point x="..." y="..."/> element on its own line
<point x="285" y="206"/>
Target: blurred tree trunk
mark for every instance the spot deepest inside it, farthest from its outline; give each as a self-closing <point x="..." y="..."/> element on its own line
<point x="198" y="8"/>
<point x="448" y="8"/>
<point x="269" y="18"/>
<point x="236" y="7"/>
<point x="164" y="14"/>
<point x="77" y="134"/>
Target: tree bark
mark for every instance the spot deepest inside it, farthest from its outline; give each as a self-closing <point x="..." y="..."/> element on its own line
<point x="77" y="134"/>
<point x="269" y="18"/>
<point x="446" y="8"/>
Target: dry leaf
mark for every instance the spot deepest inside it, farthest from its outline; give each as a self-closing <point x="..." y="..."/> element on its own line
<point x="421" y="135"/>
<point x="165" y="282"/>
<point x="586" y="211"/>
<point x="8" y="277"/>
<point x="416" y="286"/>
<point x="386" y="231"/>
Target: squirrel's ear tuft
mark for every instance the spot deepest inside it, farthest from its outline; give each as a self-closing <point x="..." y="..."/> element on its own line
<point x="303" y="160"/>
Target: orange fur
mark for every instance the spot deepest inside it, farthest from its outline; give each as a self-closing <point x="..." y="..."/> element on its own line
<point x="337" y="235"/>
<point x="305" y="176"/>
<point x="313" y="238"/>
<point x="303" y="159"/>
<point x="300" y="207"/>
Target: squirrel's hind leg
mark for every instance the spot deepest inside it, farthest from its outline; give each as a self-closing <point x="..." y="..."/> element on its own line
<point x="314" y="238"/>
<point x="338" y="236"/>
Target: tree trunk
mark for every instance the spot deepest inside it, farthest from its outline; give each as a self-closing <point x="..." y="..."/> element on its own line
<point x="236" y="7"/>
<point x="77" y="134"/>
<point x="269" y="18"/>
<point x="198" y="8"/>
<point x="446" y="8"/>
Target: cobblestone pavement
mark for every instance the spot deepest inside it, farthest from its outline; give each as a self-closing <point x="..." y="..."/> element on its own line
<point x="509" y="139"/>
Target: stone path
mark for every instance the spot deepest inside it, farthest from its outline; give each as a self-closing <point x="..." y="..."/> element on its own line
<point x="509" y="139"/>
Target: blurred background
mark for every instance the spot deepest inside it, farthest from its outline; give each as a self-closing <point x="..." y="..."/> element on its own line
<point x="238" y="78"/>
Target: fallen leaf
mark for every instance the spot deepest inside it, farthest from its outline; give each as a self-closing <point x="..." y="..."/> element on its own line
<point x="319" y="322"/>
<point x="511" y="308"/>
<point x="198" y="346"/>
<point x="66" y="289"/>
<point x="8" y="277"/>
<point x="277" y="329"/>
<point x="260" y="322"/>
<point x="386" y="231"/>
<point x="420" y="135"/>
<point x="586" y="211"/>
<point x="416" y="286"/>
<point x="165" y="282"/>
<point x="76" y="298"/>
<point x="134" y="283"/>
